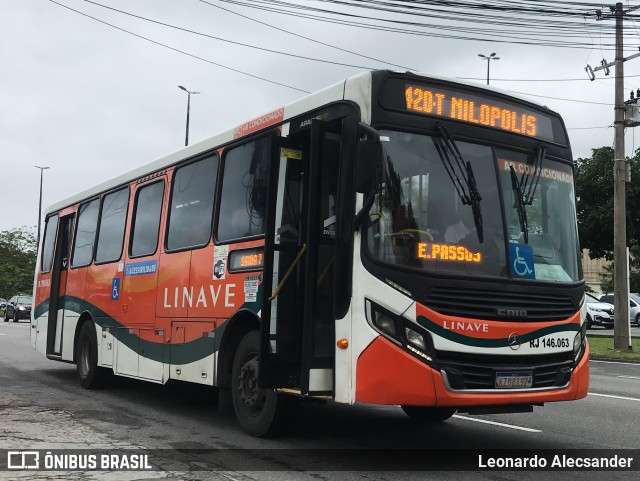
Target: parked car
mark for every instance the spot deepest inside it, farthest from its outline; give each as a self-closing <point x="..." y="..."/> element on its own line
<point x="3" y="303"/>
<point x="634" y="306"/>
<point x="18" y="307"/>
<point x="598" y="313"/>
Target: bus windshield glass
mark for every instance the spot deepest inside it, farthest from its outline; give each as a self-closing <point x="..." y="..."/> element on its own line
<point x="438" y="208"/>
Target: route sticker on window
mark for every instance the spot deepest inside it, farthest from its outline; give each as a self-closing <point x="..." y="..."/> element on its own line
<point x="219" y="268"/>
<point x="521" y="260"/>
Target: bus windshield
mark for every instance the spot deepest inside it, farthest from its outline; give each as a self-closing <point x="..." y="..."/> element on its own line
<point x="439" y="208"/>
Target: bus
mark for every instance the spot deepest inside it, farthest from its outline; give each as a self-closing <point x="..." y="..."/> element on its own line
<point x="394" y="239"/>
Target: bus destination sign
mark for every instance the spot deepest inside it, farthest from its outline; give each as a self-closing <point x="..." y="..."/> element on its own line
<point x="471" y="109"/>
<point x="450" y="101"/>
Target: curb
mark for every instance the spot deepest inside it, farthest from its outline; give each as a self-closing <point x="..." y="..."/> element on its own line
<point x="613" y="359"/>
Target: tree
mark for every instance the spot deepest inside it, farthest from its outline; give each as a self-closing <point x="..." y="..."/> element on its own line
<point x="594" y="199"/>
<point x="18" y="249"/>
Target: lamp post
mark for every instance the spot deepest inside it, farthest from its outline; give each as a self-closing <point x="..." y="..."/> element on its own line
<point x="488" y="58"/>
<point x="186" y="139"/>
<point x="40" y="202"/>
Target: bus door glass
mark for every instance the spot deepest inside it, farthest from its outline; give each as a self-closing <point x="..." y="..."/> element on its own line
<point x="298" y="324"/>
<point x="58" y="299"/>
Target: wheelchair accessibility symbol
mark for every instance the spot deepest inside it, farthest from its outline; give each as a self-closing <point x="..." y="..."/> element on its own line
<point x="521" y="258"/>
<point x="115" y="289"/>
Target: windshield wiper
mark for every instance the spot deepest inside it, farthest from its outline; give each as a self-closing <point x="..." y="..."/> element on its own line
<point x="519" y="204"/>
<point x="461" y="174"/>
<point x="529" y="183"/>
<point x="524" y="189"/>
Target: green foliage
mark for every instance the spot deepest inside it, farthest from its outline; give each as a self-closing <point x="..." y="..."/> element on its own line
<point x="594" y="200"/>
<point x="18" y="248"/>
<point x="606" y="278"/>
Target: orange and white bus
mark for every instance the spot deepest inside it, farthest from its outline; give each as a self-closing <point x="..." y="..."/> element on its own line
<point x="392" y="239"/>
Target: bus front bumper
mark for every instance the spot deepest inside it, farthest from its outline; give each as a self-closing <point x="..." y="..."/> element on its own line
<point x="386" y="374"/>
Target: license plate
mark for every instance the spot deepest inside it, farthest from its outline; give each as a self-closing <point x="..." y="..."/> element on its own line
<point x="514" y="380"/>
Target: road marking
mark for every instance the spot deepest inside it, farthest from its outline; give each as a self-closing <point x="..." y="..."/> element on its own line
<point x="624" y="398"/>
<point x="2" y="334"/>
<point x="629" y="377"/>
<point x="616" y="362"/>
<point x="510" y="426"/>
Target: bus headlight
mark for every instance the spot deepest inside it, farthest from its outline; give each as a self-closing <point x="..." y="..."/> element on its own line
<point x="577" y="343"/>
<point x="415" y="338"/>
<point x="401" y="331"/>
<point x="384" y="323"/>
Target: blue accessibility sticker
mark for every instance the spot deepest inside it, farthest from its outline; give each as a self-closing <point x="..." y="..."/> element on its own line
<point x="141" y="268"/>
<point x="115" y="289"/>
<point x="521" y="259"/>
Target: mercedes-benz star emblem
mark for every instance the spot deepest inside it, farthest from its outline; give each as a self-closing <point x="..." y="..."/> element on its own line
<point x="513" y="341"/>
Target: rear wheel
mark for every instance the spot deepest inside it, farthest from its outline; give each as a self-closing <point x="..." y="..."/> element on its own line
<point x="424" y="414"/>
<point x="89" y="374"/>
<point x="260" y="412"/>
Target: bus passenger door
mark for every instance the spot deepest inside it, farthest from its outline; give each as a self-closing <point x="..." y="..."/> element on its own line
<point x="298" y="325"/>
<point x="57" y="299"/>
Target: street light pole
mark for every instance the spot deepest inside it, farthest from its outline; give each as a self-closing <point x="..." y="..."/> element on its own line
<point x="488" y="58"/>
<point x="40" y="201"/>
<point x="186" y="139"/>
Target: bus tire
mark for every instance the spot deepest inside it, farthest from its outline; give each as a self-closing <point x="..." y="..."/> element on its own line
<point x="90" y="375"/>
<point x="260" y="412"/>
<point x="423" y="414"/>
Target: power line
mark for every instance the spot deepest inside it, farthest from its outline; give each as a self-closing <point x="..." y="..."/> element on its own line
<point x="180" y="51"/>
<point x="146" y="19"/>
<point x="305" y="37"/>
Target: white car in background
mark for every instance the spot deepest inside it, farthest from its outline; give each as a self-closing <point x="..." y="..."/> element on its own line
<point x="598" y="313"/>
<point x="634" y="306"/>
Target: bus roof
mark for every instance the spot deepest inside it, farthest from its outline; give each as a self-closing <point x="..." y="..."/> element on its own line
<point x="357" y="87"/>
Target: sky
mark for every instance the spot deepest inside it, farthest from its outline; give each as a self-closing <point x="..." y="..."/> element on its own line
<point x="92" y="102"/>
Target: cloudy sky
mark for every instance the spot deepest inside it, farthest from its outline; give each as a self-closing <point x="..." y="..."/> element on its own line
<point x="92" y="101"/>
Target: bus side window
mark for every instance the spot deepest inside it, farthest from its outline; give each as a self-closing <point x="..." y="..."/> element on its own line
<point x="113" y="220"/>
<point x="191" y="211"/>
<point x="85" y="233"/>
<point x="49" y="243"/>
<point x="146" y="220"/>
<point x="244" y="190"/>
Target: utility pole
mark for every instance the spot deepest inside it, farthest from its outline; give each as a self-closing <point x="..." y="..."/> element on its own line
<point x="42" y="168"/>
<point x="189" y="93"/>
<point x="621" y="332"/>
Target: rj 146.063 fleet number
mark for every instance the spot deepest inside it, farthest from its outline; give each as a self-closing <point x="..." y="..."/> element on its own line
<point x="553" y="343"/>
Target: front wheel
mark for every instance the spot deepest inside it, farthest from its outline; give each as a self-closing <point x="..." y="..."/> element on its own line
<point x="638" y="320"/>
<point x="89" y="374"/>
<point x="589" y="322"/>
<point x="424" y="414"/>
<point x="260" y="412"/>
<point x="6" y="317"/>
<point x="15" y="316"/>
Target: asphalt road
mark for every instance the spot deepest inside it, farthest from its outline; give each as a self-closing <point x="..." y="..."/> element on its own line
<point x="42" y="407"/>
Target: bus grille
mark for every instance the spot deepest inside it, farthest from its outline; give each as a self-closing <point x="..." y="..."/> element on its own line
<point x="499" y="305"/>
<point x="466" y="371"/>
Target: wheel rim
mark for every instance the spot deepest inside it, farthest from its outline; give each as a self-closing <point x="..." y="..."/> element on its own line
<point x="251" y="396"/>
